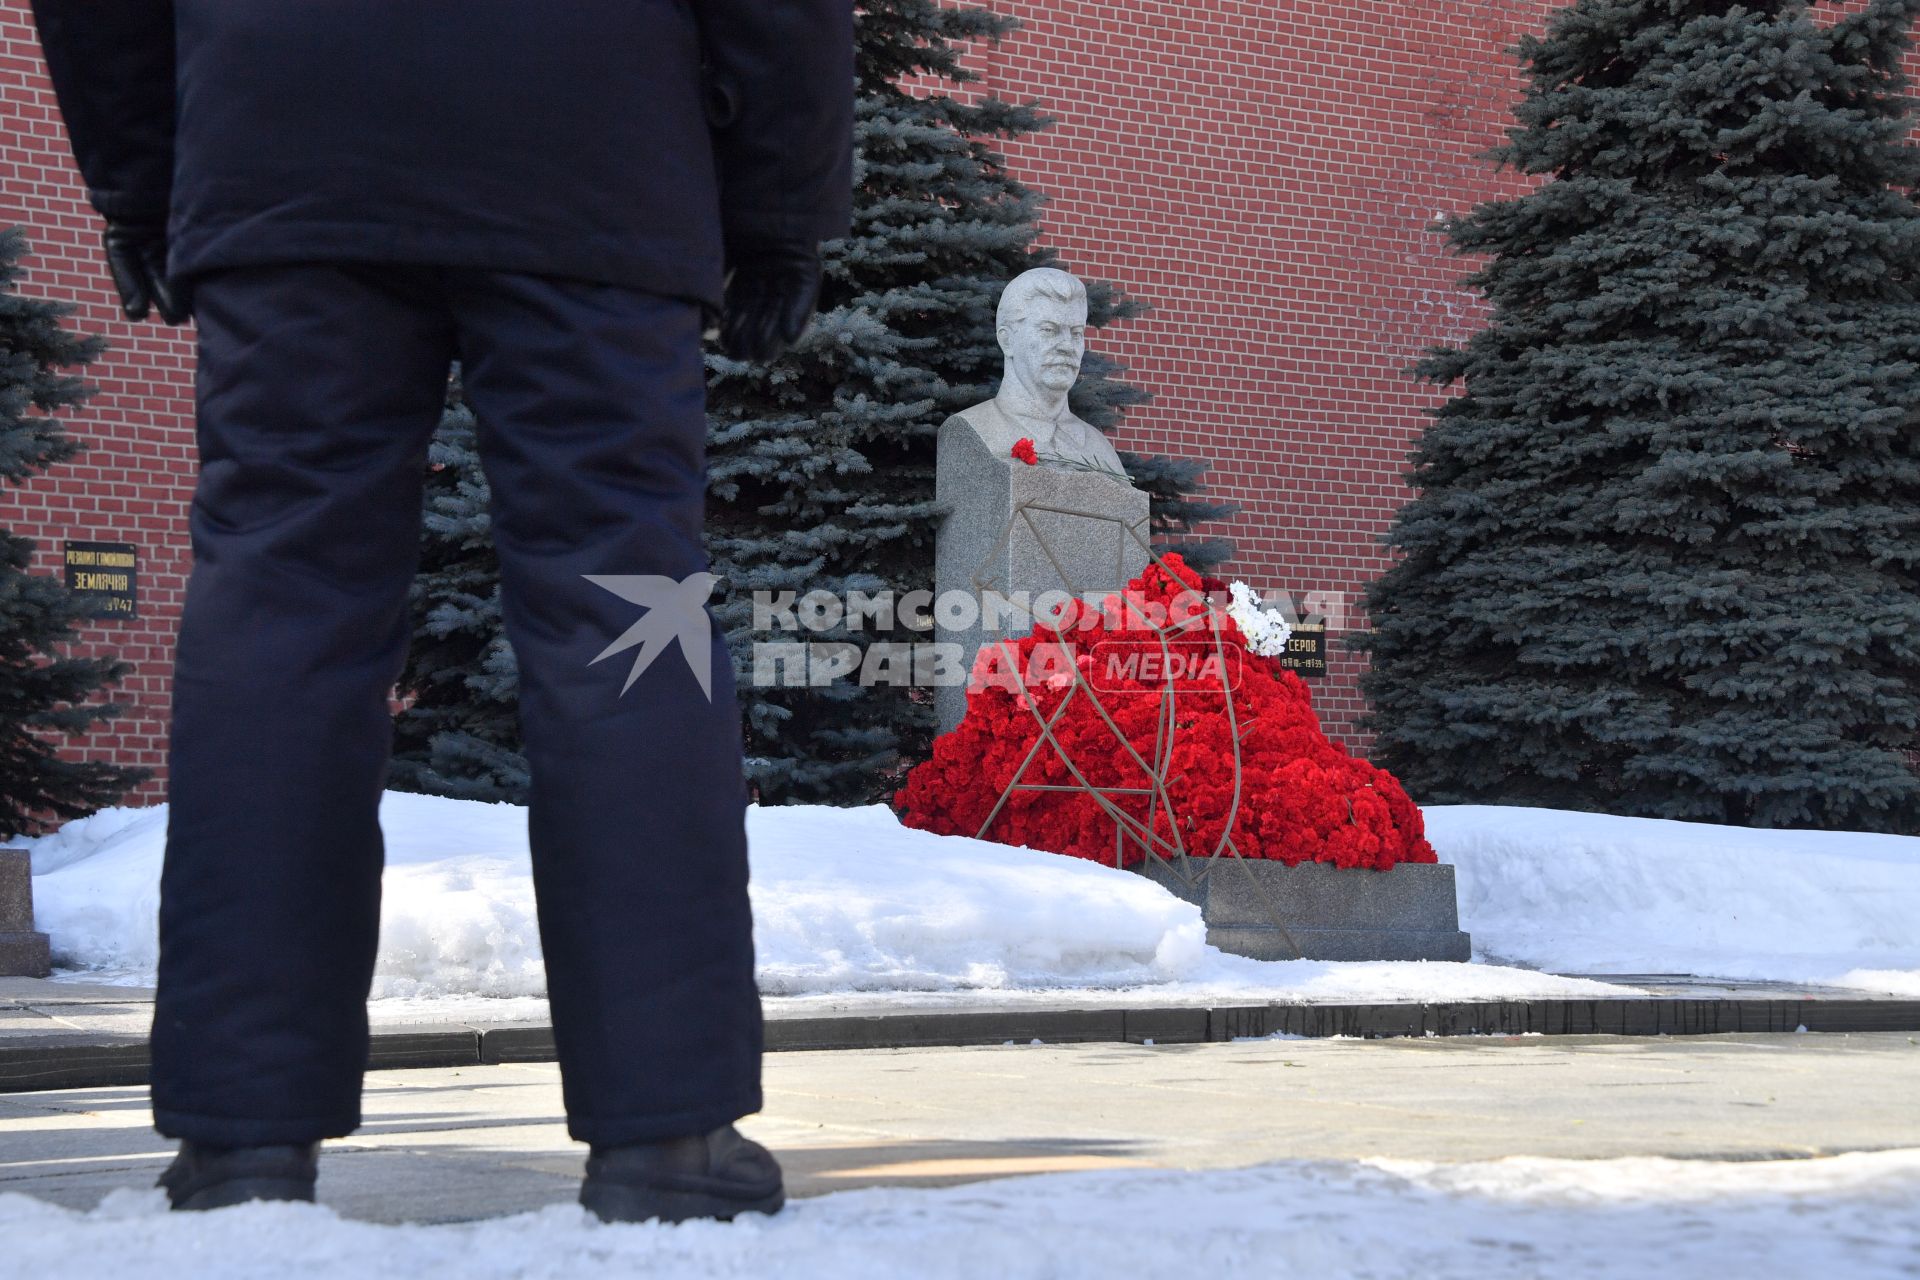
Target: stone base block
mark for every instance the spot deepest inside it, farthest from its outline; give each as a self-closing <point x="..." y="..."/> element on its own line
<point x="1342" y="944"/>
<point x="1330" y="913"/>
<point x="16" y="891"/>
<point x="25" y="955"/>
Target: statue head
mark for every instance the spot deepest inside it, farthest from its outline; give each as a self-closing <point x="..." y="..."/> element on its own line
<point x="1042" y="327"/>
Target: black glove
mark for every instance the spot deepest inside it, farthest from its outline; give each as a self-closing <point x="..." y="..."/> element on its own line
<point x="772" y="289"/>
<point x="137" y="257"/>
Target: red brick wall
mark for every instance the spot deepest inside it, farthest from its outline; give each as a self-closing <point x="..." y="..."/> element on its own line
<point x="133" y="482"/>
<point x="1264" y="174"/>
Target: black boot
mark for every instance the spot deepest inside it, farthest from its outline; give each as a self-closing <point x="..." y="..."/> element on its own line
<point x="712" y="1175"/>
<point x="208" y="1177"/>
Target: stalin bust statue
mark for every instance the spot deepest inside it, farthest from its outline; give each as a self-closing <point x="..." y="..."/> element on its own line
<point x="1064" y="518"/>
<point x="1042" y="327"/>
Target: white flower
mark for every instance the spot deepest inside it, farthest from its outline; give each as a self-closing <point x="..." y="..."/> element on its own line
<point x="1265" y="629"/>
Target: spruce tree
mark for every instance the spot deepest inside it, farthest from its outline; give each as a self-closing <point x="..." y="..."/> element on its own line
<point x="43" y="695"/>
<point x="1662" y="558"/>
<point x="821" y="464"/>
<point x="1175" y="506"/>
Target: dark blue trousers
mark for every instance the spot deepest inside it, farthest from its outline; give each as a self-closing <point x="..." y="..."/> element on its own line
<point x="318" y="389"/>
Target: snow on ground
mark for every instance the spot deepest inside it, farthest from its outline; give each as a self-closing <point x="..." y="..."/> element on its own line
<point x="1853" y="1215"/>
<point x="847" y="901"/>
<point x="1591" y="893"/>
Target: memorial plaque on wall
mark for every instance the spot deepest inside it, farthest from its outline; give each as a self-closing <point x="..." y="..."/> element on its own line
<point x="102" y="574"/>
<point x="1306" y="654"/>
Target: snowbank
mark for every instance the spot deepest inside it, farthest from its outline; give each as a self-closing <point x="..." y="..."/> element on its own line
<point x="849" y="901"/>
<point x="1590" y="893"/>
<point x="1850" y="1215"/>
<point x="845" y="901"/>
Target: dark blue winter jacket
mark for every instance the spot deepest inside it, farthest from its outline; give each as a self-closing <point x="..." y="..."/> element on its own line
<point x="610" y="140"/>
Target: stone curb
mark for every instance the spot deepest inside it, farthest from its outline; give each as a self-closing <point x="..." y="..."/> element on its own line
<point x="77" y="1060"/>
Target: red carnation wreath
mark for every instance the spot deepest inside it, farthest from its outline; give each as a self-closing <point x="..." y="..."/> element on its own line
<point x="1302" y="797"/>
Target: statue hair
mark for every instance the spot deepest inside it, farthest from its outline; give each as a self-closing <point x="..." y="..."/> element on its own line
<point x="1046" y="282"/>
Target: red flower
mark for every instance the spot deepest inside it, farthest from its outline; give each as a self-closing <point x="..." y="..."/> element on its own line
<point x="1023" y="449"/>
<point x="1299" y="797"/>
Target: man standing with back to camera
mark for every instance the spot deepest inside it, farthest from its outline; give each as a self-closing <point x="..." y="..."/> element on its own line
<point x="346" y="196"/>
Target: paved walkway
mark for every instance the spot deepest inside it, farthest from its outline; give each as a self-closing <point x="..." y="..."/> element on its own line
<point x="442" y="1145"/>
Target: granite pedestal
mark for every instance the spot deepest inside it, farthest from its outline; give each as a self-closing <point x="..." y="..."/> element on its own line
<point x="23" y="953"/>
<point x="1330" y="913"/>
<point x="1020" y="532"/>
